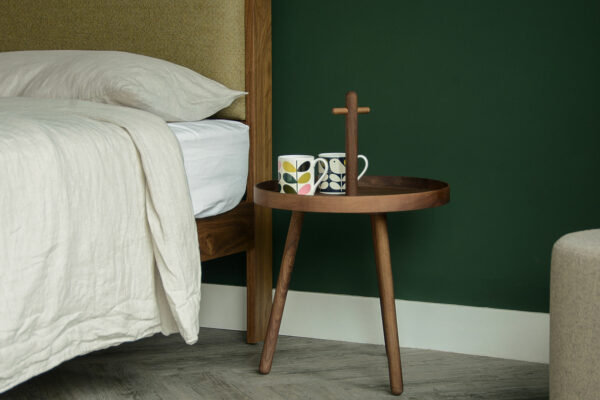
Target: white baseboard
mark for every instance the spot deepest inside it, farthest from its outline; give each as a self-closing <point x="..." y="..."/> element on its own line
<point x="517" y="335"/>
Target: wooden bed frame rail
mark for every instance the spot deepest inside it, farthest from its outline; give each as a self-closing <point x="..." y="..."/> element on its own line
<point x="228" y="233"/>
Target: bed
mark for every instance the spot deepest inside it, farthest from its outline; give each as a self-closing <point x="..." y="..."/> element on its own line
<point x="228" y="41"/>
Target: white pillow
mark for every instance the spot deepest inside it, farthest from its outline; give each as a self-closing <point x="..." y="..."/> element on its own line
<point x="168" y="90"/>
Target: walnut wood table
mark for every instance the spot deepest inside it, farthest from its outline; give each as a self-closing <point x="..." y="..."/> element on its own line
<point x="376" y="195"/>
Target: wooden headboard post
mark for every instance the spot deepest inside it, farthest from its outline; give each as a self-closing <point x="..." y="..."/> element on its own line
<point x="259" y="260"/>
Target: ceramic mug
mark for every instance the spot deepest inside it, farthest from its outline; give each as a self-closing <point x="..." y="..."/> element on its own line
<point x="335" y="180"/>
<point x="296" y="174"/>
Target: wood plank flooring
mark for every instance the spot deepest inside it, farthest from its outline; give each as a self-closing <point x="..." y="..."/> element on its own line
<point x="222" y="366"/>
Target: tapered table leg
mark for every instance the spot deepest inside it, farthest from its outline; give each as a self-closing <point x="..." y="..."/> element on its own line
<point x="283" y="282"/>
<point x="387" y="300"/>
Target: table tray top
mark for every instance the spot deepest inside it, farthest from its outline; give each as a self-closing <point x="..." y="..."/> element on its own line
<point x="376" y="194"/>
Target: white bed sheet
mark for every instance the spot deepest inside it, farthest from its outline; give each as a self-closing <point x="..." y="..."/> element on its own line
<point x="215" y="157"/>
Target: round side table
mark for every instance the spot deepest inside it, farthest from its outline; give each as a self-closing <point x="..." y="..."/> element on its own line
<point x="377" y="195"/>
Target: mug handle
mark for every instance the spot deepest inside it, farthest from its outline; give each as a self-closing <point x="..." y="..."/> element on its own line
<point x="366" y="166"/>
<point x="317" y="183"/>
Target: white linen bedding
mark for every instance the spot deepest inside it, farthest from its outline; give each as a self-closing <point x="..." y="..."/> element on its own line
<point x="98" y="243"/>
<point x="215" y="157"/>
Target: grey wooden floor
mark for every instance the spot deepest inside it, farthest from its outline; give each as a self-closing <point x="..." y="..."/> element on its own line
<point x="222" y="366"/>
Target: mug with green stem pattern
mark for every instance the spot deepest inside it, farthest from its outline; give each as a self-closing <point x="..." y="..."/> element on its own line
<point x="296" y="174"/>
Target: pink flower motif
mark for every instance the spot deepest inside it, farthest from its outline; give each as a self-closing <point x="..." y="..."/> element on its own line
<point x="305" y="189"/>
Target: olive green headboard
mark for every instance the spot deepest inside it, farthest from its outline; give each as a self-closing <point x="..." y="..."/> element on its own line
<point x="204" y="35"/>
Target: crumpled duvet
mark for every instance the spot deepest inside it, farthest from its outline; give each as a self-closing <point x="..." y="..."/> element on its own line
<point x="98" y="243"/>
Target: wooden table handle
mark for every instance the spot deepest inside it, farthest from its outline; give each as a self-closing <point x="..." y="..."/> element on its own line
<point x="344" y="110"/>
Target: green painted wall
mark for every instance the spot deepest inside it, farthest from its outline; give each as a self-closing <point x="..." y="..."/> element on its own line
<point x="499" y="98"/>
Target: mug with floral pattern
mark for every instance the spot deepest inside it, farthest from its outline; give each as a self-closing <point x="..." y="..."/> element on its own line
<point x="296" y="174"/>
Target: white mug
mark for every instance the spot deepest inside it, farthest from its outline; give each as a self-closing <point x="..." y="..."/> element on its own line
<point x="296" y="174"/>
<point x="335" y="181"/>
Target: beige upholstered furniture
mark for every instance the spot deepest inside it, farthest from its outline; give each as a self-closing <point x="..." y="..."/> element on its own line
<point x="575" y="317"/>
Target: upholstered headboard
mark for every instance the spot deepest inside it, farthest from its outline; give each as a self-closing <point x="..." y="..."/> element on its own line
<point x="207" y="36"/>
